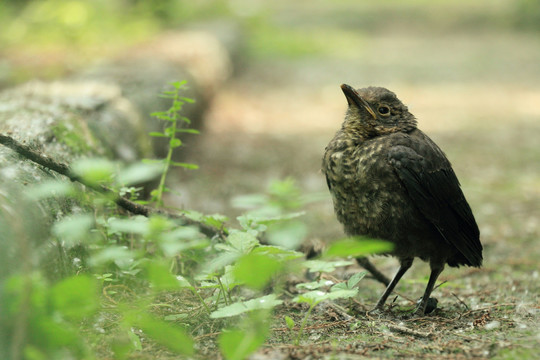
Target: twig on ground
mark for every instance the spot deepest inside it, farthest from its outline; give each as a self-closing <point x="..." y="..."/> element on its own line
<point x="315" y="327"/>
<point x="488" y="308"/>
<point x="407" y="331"/>
<point x="134" y="208"/>
<point x="461" y="301"/>
<point x="340" y="310"/>
<point x="442" y="283"/>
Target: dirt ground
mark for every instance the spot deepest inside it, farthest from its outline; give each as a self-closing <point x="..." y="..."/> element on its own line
<point x="481" y="105"/>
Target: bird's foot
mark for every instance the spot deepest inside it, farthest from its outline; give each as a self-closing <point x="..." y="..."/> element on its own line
<point x="376" y="311"/>
<point x="418" y="313"/>
<point x="427" y="308"/>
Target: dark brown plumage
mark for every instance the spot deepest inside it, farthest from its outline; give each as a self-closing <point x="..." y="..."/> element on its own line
<point x="390" y="181"/>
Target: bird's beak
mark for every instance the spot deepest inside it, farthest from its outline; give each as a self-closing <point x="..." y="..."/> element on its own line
<point x="354" y="98"/>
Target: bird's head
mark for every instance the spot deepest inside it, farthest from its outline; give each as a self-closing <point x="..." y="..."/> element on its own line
<point x="375" y="111"/>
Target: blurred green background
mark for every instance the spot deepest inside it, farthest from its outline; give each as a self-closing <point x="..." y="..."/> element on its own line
<point x="47" y="38"/>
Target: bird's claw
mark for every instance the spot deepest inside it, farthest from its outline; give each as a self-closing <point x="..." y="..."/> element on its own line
<point x="376" y="311"/>
<point x="427" y="308"/>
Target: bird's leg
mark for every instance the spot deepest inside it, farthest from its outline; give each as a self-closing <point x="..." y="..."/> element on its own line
<point x="379" y="276"/>
<point x="436" y="270"/>
<point x="404" y="265"/>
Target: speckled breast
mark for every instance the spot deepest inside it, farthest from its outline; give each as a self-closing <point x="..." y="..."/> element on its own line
<point x="368" y="197"/>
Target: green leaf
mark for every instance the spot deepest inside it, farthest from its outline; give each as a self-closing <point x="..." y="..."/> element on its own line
<point x="172" y="248"/>
<point x="358" y="246"/>
<point x="355" y="279"/>
<point x="158" y="224"/>
<point x="183" y="282"/>
<point x="160" y="277"/>
<point x="238" y="344"/>
<point x="237" y="308"/>
<point x="256" y="270"/>
<point x="188" y="131"/>
<point x="139" y="173"/>
<point x="175" y="317"/>
<point x="178" y="84"/>
<point x="157" y="134"/>
<point x="49" y="189"/>
<point x="122" y="346"/>
<point x="216" y="220"/>
<point x="188" y="100"/>
<point x="289" y="234"/>
<point x="289" y="322"/>
<point x="185" y="119"/>
<point x="277" y="252"/>
<point x="164" y="333"/>
<point x="227" y="257"/>
<point x="174" y="143"/>
<point x="94" y="171"/>
<point x="180" y="239"/>
<point x="241" y="241"/>
<point x="74" y="229"/>
<point x="49" y="333"/>
<point x="134" y="225"/>
<point x="310" y="298"/>
<point x="185" y="165"/>
<point x="249" y="223"/>
<point x="76" y="297"/>
<point x="325" y="266"/>
<point x="228" y="280"/>
<point x="112" y="254"/>
<point x="169" y="131"/>
<point x="314" y="285"/>
<point x="340" y="286"/>
<point x="134" y="339"/>
<point x="316" y="296"/>
<point x="349" y="284"/>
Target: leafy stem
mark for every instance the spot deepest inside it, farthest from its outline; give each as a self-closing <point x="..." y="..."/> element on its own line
<point x="172" y="115"/>
<point x="303" y="324"/>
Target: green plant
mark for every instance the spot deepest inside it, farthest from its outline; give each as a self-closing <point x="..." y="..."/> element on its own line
<point x="174" y="119"/>
<point x="315" y="297"/>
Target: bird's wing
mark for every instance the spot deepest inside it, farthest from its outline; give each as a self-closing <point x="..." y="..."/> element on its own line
<point x="328" y="182"/>
<point x="434" y="188"/>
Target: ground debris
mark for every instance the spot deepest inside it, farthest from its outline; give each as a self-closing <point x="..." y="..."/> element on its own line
<point x="409" y="331"/>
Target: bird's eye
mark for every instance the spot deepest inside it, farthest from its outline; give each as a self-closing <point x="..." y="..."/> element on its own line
<point x="384" y="110"/>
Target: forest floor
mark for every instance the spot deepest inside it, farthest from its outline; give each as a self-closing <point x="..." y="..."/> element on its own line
<point x="273" y="120"/>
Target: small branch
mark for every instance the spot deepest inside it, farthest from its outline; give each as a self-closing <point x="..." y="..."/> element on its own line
<point x="134" y="208"/>
<point x="461" y="302"/>
<point x="339" y="310"/>
<point x="442" y="283"/>
<point x="25" y="151"/>
<point x="407" y="331"/>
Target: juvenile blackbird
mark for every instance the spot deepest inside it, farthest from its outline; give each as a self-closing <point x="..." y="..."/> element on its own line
<point x="390" y="181"/>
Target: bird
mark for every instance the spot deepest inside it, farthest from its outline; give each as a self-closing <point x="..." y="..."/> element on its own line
<point x="390" y="181"/>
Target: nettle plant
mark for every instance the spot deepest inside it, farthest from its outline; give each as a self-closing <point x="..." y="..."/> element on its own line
<point x="129" y="279"/>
